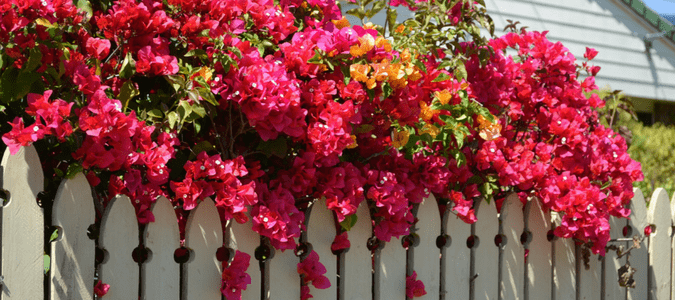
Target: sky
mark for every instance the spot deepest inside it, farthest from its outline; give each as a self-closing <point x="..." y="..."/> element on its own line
<point x="661" y="6"/>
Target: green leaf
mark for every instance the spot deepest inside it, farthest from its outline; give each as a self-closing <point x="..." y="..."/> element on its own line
<point x="460" y="70"/>
<point x="441" y="77"/>
<point x="207" y="95"/>
<point x="176" y="81"/>
<point x="173" y="119"/>
<point x="277" y="147"/>
<point x="85" y="6"/>
<point x="54" y="235"/>
<point x="155" y="113"/>
<point x="349" y="222"/>
<point x="127" y="92"/>
<point x="34" y="60"/>
<point x="386" y="90"/>
<point x="128" y="67"/>
<point x="47" y="262"/>
<point x="199" y="53"/>
<point x="73" y="170"/>
<point x="201" y="147"/>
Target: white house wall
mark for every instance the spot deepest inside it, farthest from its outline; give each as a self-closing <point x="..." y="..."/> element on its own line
<point x="610" y="27"/>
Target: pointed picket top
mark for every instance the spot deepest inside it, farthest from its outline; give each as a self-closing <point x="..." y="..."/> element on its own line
<point x="540" y="254"/>
<point x="243" y="238"/>
<point x="390" y="273"/>
<point x="358" y="273"/>
<point x="486" y="253"/>
<point x="564" y="270"/>
<point x="284" y="277"/>
<point x="514" y="253"/>
<point x="73" y="253"/>
<point x="457" y="257"/>
<point x="161" y="273"/>
<point x="22" y="225"/>
<point x="203" y="236"/>
<point x="639" y="257"/>
<point x="320" y="233"/>
<point x="612" y="263"/>
<point x="659" y="216"/>
<point x="119" y="238"/>
<point x="426" y="260"/>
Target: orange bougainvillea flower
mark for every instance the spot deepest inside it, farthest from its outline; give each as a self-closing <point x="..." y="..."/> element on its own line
<point x="371" y="83"/>
<point x="443" y="96"/>
<point x="366" y="43"/>
<point x="426" y="113"/>
<point x="400" y="138"/>
<point x="488" y="130"/>
<point x="205" y="73"/>
<point x="342" y="23"/>
<point x="431" y="129"/>
<point x="380" y="70"/>
<point x="400" y="28"/>
<point x="405" y="55"/>
<point x="353" y="144"/>
<point x="359" y="72"/>
<point x="383" y="43"/>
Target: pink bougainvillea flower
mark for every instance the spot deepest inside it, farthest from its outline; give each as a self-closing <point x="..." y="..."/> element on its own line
<point x="590" y="53"/>
<point x="340" y="242"/>
<point x="414" y="287"/>
<point x="100" y="289"/>
<point x="234" y="278"/>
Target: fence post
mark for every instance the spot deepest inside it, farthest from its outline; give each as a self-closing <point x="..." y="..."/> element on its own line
<point x="320" y="233"/>
<point x="540" y="256"/>
<point x="426" y="255"/>
<point x="358" y="276"/>
<point x="243" y="238"/>
<point x="203" y="236"/>
<point x="486" y="254"/>
<point x="639" y="258"/>
<point x="457" y="258"/>
<point x="511" y="281"/>
<point x="22" y="226"/>
<point x="72" y="257"/>
<point x="161" y="273"/>
<point x="658" y="216"/>
<point x="119" y="238"/>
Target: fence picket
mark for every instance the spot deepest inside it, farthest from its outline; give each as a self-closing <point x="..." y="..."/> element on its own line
<point x="203" y="236"/>
<point x="244" y="239"/>
<point x="358" y="276"/>
<point x="612" y="263"/>
<point x="540" y="254"/>
<point x="391" y="271"/>
<point x="72" y="255"/>
<point x="22" y="225"/>
<point x="486" y="254"/>
<point x="320" y="233"/>
<point x="161" y="273"/>
<point x="284" y="278"/>
<point x="659" y="245"/>
<point x="457" y="257"/>
<point x="590" y="280"/>
<point x="426" y="255"/>
<point x="638" y="258"/>
<point x="564" y="270"/>
<point x="119" y="237"/>
<point x="513" y="251"/>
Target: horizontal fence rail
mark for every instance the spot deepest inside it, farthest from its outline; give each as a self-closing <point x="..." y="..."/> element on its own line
<point x="513" y="255"/>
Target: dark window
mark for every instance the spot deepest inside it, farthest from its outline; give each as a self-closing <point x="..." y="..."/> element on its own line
<point x="645" y="117"/>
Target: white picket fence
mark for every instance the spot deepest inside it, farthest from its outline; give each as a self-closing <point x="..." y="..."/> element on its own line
<point x="553" y="268"/>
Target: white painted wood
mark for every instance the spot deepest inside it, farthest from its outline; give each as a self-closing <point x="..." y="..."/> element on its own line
<point x="358" y="274"/>
<point x="486" y="253"/>
<point x="590" y="281"/>
<point x="639" y="258"/>
<point x="244" y="239"/>
<point x="161" y="273"/>
<point x="119" y="238"/>
<point x="22" y="225"/>
<point x="320" y="233"/>
<point x="203" y="236"/>
<point x="391" y="271"/>
<point x="540" y="256"/>
<point x="659" y="215"/>
<point x="73" y="253"/>
<point x="426" y="259"/>
<point x="612" y="264"/>
<point x="284" y="278"/>
<point x="513" y="272"/>
<point x="457" y="258"/>
<point x="672" y="247"/>
<point x="564" y="272"/>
